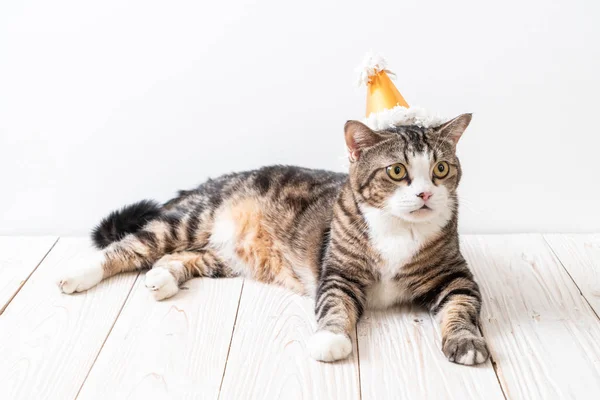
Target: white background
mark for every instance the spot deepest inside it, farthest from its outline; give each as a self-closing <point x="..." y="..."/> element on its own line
<point x="103" y="103"/>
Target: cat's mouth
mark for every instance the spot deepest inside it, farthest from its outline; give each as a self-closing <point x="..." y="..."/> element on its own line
<point x="423" y="209"/>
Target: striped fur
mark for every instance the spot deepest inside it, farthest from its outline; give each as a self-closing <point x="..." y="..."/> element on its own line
<point x="351" y="241"/>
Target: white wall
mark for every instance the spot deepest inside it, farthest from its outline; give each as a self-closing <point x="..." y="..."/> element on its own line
<point x="107" y="102"/>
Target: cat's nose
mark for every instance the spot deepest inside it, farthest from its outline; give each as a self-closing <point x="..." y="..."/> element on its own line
<point x="425" y="195"/>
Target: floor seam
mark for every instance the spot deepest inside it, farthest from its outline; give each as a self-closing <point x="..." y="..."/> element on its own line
<point x="494" y="366"/>
<point x="570" y="276"/>
<point x="108" y="334"/>
<point x="28" y="276"/>
<point x="358" y="361"/>
<point x="231" y="339"/>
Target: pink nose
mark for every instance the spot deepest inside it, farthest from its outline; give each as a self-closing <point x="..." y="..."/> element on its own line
<point x="425" y="195"/>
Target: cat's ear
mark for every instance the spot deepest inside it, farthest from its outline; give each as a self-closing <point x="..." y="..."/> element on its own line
<point x="453" y="129"/>
<point x="359" y="137"/>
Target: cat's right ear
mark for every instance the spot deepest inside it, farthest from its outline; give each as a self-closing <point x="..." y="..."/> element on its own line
<point x="359" y="137"/>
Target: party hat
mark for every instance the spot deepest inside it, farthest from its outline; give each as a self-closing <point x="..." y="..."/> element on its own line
<point x="386" y="107"/>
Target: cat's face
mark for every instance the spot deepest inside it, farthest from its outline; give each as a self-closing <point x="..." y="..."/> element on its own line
<point x="409" y="172"/>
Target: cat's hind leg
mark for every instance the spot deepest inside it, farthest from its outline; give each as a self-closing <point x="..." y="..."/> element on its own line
<point x="172" y="270"/>
<point x="134" y="252"/>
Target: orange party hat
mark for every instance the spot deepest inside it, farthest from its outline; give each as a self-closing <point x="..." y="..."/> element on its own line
<point x="382" y="94"/>
<point x="386" y="107"/>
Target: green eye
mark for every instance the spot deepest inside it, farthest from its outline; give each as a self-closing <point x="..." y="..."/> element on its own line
<point x="441" y="170"/>
<point x="396" y="171"/>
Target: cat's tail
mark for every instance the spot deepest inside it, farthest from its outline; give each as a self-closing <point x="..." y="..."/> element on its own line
<point x="128" y="219"/>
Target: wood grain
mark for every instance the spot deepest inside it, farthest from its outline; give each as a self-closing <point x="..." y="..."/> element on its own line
<point x="49" y="340"/>
<point x="401" y="358"/>
<point x="580" y="255"/>
<point x="268" y="358"/>
<point x="542" y="334"/>
<point x="172" y="349"/>
<point x="19" y="257"/>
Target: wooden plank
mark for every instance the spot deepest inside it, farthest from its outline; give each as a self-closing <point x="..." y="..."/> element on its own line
<point x="580" y="255"/>
<point x="19" y="257"/>
<point x="268" y="358"/>
<point x="49" y="340"/>
<point x="542" y="334"/>
<point x="401" y="358"/>
<point x="175" y="348"/>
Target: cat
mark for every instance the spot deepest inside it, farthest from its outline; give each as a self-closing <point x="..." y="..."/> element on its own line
<point x="383" y="234"/>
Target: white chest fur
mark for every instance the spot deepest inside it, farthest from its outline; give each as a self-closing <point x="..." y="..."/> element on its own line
<point x="397" y="242"/>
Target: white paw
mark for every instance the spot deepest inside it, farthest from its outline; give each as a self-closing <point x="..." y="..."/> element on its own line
<point x="473" y="357"/>
<point x="329" y="346"/>
<point x="465" y="348"/>
<point x="161" y="283"/>
<point x="81" y="279"/>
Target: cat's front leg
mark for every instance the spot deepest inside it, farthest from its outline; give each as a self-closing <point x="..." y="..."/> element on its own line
<point x="456" y="307"/>
<point x="339" y="304"/>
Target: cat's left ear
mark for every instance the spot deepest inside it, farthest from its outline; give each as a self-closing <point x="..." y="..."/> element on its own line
<point x="358" y="138"/>
<point x="453" y="129"/>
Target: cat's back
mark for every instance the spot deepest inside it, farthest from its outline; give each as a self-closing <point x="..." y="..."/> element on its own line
<point x="285" y="184"/>
<point x="286" y="181"/>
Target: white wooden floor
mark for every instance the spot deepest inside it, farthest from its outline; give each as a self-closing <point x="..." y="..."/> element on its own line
<point x="235" y="339"/>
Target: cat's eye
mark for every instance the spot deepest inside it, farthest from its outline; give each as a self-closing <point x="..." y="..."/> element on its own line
<point x="396" y="171"/>
<point x="441" y="170"/>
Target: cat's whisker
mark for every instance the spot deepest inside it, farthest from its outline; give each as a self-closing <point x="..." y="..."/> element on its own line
<point x="472" y="206"/>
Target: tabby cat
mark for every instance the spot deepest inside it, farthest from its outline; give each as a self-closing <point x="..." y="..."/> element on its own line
<point x="384" y="234"/>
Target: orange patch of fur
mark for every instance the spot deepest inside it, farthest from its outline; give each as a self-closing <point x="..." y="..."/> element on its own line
<point x="257" y="247"/>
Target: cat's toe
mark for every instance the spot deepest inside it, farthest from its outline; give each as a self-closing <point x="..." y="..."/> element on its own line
<point x="66" y="285"/>
<point x="465" y="348"/>
<point x="328" y="346"/>
<point x="161" y="283"/>
<point x="79" y="280"/>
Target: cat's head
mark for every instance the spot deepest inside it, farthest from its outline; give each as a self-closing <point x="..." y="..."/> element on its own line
<point x="408" y="171"/>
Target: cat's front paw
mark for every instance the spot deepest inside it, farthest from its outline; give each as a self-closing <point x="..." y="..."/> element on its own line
<point x="161" y="283"/>
<point x="328" y="346"/>
<point x="465" y="348"/>
<point x="80" y="279"/>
